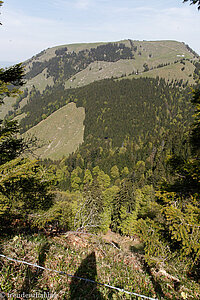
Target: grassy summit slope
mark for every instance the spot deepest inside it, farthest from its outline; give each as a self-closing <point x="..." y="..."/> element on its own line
<point x="178" y="71"/>
<point x="152" y="53"/>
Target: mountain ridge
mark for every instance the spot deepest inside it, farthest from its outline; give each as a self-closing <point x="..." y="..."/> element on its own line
<point x="144" y="54"/>
<point x="54" y="72"/>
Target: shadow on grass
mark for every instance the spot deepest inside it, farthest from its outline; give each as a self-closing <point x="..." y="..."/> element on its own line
<point x="32" y="277"/>
<point x="2" y="294"/>
<point x="137" y="248"/>
<point x="194" y="272"/>
<point x="156" y="285"/>
<point x="80" y="289"/>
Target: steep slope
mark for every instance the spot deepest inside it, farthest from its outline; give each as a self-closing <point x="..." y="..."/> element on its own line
<point x="60" y="134"/>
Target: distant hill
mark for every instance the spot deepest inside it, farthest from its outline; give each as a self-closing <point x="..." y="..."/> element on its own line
<point x="6" y="64"/>
<point x="53" y="76"/>
<point x="80" y="64"/>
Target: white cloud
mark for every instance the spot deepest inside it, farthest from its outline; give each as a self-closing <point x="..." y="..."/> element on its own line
<point x="82" y="4"/>
<point x="68" y="4"/>
<point x="22" y="35"/>
<point x="141" y="9"/>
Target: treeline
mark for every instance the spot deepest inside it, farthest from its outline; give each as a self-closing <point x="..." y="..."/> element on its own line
<point x="66" y="64"/>
<point x="131" y="108"/>
<point x="125" y="107"/>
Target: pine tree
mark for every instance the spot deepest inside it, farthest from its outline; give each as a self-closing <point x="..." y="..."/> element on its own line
<point x="24" y="184"/>
<point x="195" y="135"/>
<point x="194" y="2"/>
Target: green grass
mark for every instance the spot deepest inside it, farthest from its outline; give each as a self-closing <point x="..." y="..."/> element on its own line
<point x="89" y="257"/>
<point x="171" y="72"/>
<point x="60" y="133"/>
<point x="4" y="108"/>
<point x="40" y="81"/>
<point x="101" y="70"/>
<point x="152" y="52"/>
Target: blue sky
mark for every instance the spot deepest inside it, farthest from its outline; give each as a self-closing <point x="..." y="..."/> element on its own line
<point x="29" y="26"/>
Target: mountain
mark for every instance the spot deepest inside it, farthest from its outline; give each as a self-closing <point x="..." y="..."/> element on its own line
<point x="78" y="65"/>
<point x="64" y="74"/>
<point x="118" y="184"/>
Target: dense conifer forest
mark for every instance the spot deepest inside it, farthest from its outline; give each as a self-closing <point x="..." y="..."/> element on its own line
<point x="150" y="99"/>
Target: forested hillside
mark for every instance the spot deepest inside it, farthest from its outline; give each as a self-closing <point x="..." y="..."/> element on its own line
<point x="72" y="66"/>
<point x="124" y="202"/>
